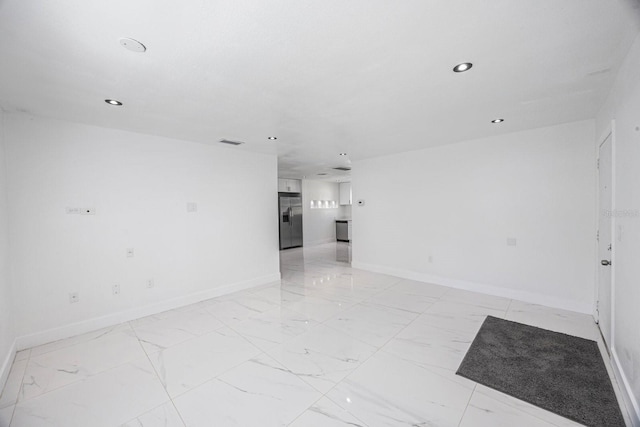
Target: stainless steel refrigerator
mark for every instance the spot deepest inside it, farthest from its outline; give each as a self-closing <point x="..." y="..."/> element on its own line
<point x="290" y="207"/>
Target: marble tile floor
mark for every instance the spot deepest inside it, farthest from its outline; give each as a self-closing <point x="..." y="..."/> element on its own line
<point x="328" y="346"/>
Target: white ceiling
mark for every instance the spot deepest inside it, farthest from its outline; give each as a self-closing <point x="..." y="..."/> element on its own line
<point x="366" y="77"/>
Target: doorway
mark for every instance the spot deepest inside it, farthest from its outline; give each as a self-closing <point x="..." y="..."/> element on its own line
<point x="605" y="241"/>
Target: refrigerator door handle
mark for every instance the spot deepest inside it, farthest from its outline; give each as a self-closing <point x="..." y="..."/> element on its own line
<point x="290" y="217"/>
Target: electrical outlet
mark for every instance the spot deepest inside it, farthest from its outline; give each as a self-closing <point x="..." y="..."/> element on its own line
<point x="74" y="297"/>
<point x="116" y="289"/>
<point x="511" y="241"/>
<point x="150" y="283"/>
<point x="73" y="211"/>
<point x="192" y="207"/>
<point x="129" y="252"/>
<point x="88" y="211"/>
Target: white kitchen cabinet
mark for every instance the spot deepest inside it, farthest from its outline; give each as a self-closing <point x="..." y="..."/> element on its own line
<point x="289" y="185"/>
<point x="295" y="185"/>
<point x="345" y="193"/>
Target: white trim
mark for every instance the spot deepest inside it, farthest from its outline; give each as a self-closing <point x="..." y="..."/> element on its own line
<point x="614" y="234"/>
<point x="6" y="365"/>
<point x="609" y="132"/>
<point x="596" y="276"/>
<point x="629" y="398"/>
<point x="530" y="297"/>
<point x="67" y="331"/>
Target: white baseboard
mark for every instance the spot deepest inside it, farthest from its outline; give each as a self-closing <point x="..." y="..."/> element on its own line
<point x="67" y="331"/>
<point x="529" y="297"/>
<point x="630" y="400"/>
<point x="6" y="365"/>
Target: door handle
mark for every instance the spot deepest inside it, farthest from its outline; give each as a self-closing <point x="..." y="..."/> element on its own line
<point x="605" y="262"/>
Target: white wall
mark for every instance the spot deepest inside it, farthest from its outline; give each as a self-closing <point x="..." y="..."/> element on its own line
<point x="139" y="186"/>
<point x="459" y="203"/>
<point x="6" y="307"/>
<point x="623" y="106"/>
<point x="318" y="225"/>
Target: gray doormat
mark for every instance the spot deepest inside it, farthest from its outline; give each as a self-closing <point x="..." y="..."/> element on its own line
<point x="557" y="372"/>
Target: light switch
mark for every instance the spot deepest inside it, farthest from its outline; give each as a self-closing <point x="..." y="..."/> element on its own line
<point x="511" y="241"/>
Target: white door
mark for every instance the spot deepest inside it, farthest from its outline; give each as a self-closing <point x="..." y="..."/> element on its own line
<point x="604" y="240"/>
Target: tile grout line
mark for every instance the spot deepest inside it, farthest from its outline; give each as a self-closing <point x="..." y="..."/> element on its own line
<point x="506" y="310"/>
<point x="468" y="403"/>
<point x="324" y="395"/>
<point x="157" y="377"/>
<point x="89" y="376"/>
<point x="18" y="399"/>
<point x="223" y="324"/>
<point x="15" y="405"/>
<point x="531" y="414"/>
<point x="506" y="313"/>
<point x="378" y="350"/>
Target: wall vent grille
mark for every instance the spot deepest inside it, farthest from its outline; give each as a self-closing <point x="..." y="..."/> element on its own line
<point x="227" y="141"/>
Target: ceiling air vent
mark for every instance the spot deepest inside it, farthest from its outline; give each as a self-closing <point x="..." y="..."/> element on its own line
<point x="226" y="141"/>
<point x="343" y="168"/>
<point x="322" y="174"/>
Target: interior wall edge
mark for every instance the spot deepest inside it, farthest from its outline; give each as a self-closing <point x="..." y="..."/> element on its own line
<point x="619" y="112"/>
<point x="483" y="288"/>
<point x="7" y="335"/>
<point x="113" y="319"/>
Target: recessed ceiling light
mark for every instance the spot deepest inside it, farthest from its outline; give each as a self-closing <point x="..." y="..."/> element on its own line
<point x="132" y="45"/>
<point x="272" y="138"/>
<point x="113" y="102"/>
<point x="497" y="120"/>
<point x="343" y="154"/>
<point x="461" y="68"/>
